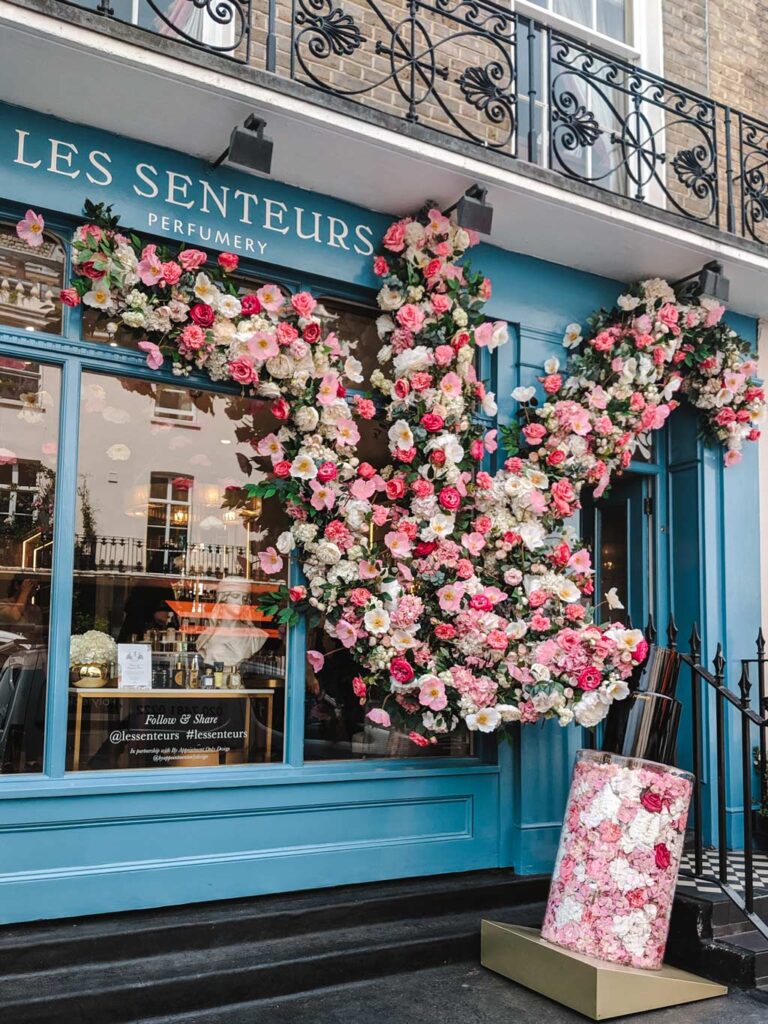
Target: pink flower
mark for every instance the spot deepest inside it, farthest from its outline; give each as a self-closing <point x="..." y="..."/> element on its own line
<point x="192" y="259"/>
<point x="449" y="499"/>
<point x="30" y="229"/>
<point x="358" y="687"/>
<point x="192" y="338"/>
<point x="154" y="355"/>
<point x="368" y="570"/>
<point x="379" y="717"/>
<point x="662" y="856"/>
<point x="732" y="457"/>
<point x="449" y="597"/>
<point x="263" y="345"/>
<point x="418" y="739"/>
<point x="328" y="391"/>
<point x="474" y="543"/>
<point x="399" y="543"/>
<point x="228" y="262"/>
<point x="401" y="670"/>
<point x="243" y="371"/>
<point x="270" y="561"/>
<point x="589" y="679"/>
<point x="323" y="497"/>
<point x="69" y="297"/>
<point x="410" y="317"/>
<point x="346" y="633"/>
<point x="315" y="659"/>
<point x="394" y="238"/>
<point x="150" y="268"/>
<point x="432" y="694"/>
<point x="450" y="385"/>
<point x="304" y="304"/>
<point x="171" y="273"/>
<point x="271" y="298"/>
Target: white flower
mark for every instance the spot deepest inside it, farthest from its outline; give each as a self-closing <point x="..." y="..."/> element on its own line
<point x="552" y="365"/>
<point x="613" y="599"/>
<point x="206" y="290"/>
<point x="400" y="435"/>
<point x="377" y="620"/>
<point x="591" y="709"/>
<point x="306" y="418"/>
<point x="100" y="296"/>
<point x="412" y="360"/>
<point x="533" y="534"/>
<point x="384" y="326"/>
<point x="390" y="298"/>
<point x="229" y="306"/>
<point x="284" y="542"/>
<point x="509" y="712"/>
<point x="303" y="467"/>
<point x="353" y="369"/>
<point x="567" y="910"/>
<point x="572" y="336"/>
<point x="625" y="877"/>
<point x="628" y="302"/>
<point x="626" y="639"/>
<point x="484" y="720"/>
<point x="634" y="929"/>
<point x="523" y="394"/>
<point x="567" y="591"/>
<point x="488" y="404"/>
<point x="327" y="552"/>
<point x="604" y="807"/>
<point x="439" y="526"/>
<point x="540" y="673"/>
<point x="615" y="689"/>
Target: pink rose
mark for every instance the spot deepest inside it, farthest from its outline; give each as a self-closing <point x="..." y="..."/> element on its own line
<point x="191" y="259"/>
<point x="394" y="237"/>
<point x="304" y="304"/>
<point x="242" y="371"/>
<point x="589" y="679"/>
<point x="401" y="670"/>
<point x="449" y="499"/>
<point x="171" y="273"/>
<point x="410" y="317"/>
<point x="651" y="801"/>
<point x="432" y="422"/>
<point x="69" y="297"/>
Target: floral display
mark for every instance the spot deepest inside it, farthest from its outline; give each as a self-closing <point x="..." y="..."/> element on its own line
<point x="613" y="885"/>
<point x="463" y="593"/>
<point x="92" y="647"/>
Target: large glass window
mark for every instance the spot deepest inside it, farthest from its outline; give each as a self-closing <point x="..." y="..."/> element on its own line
<point x="29" y="417"/>
<point x="172" y="663"/>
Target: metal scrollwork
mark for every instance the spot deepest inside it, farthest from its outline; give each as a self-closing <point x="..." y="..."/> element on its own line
<point x="753" y="177"/>
<point x="423" y="62"/>
<point x="221" y="26"/>
<point x="609" y="123"/>
<point x="328" y="30"/>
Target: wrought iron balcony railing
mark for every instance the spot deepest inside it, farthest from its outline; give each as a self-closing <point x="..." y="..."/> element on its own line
<point x="474" y="70"/>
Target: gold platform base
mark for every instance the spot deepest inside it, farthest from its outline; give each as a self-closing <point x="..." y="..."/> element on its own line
<point x="598" y="990"/>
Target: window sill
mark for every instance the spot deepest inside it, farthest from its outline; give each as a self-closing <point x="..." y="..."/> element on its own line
<point x="157" y="780"/>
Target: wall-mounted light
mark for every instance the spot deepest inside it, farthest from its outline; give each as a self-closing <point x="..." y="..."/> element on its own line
<point x="248" y="150"/>
<point x="709" y="281"/>
<point x="473" y="211"/>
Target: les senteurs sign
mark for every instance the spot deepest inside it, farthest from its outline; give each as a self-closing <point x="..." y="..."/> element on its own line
<point x="57" y="165"/>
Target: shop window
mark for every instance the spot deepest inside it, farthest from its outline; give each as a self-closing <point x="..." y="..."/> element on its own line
<point x="28" y="444"/>
<point x="174" y="405"/>
<point x="609" y="17"/>
<point x="356" y="323"/>
<point x="30" y="281"/>
<point x="172" y="663"/>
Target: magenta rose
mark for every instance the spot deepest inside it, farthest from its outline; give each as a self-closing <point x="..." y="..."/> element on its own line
<point x="228" y="262"/>
<point x="326" y="471"/>
<point x="449" y="499"/>
<point x="589" y="679"/>
<point x="202" y="314"/>
<point x="69" y="297"/>
<point x="400" y="670"/>
<point x="432" y="422"/>
<point x="651" y="801"/>
<point x="662" y="855"/>
<point x="250" y="305"/>
<point x="311" y="332"/>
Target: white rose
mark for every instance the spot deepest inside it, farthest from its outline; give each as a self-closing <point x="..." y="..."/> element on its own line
<point x="306" y="418"/>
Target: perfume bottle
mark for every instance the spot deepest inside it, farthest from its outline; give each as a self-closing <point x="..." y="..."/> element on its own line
<point x="195" y="672"/>
<point x="208" y="678"/>
<point x="234" y="679"/>
<point x="218" y="675"/>
<point x="180" y="673"/>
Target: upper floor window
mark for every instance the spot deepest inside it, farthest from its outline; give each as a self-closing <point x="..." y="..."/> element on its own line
<point x="608" y="17"/>
<point x="30" y="280"/>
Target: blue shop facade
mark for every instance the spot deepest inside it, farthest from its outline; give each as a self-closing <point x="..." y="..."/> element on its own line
<point x="114" y="529"/>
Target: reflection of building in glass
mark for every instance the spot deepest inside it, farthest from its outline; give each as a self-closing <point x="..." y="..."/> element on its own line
<point x="30" y="283"/>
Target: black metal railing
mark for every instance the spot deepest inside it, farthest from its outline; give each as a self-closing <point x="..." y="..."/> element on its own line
<point x="218" y="26"/>
<point x="508" y="84"/>
<point x="131" y="556"/>
<point x="750" y="712"/>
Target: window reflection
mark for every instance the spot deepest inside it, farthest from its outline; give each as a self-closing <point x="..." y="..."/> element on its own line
<point x="29" y="415"/>
<point x="172" y="662"/>
<point x="357" y="323"/>
<point x="30" y="281"/>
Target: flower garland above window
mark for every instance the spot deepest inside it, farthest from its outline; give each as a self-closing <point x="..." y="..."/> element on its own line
<point x="462" y="595"/>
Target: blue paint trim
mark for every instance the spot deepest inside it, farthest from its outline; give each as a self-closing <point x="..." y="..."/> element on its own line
<point x="65" y="520"/>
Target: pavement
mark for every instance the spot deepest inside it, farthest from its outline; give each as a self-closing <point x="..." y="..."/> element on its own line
<point x="456" y="994"/>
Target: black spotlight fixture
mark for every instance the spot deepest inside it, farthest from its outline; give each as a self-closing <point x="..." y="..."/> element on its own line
<point x="473" y="211"/>
<point x="248" y="150"/>
<point x="710" y="281"/>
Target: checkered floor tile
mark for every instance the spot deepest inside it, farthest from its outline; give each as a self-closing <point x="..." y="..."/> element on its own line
<point x="712" y="868"/>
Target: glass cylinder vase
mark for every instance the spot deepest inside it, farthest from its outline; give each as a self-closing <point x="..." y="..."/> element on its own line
<point x="614" y="880"/>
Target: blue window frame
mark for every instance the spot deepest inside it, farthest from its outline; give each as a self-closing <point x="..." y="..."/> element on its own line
<point x="74" y="356"/>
